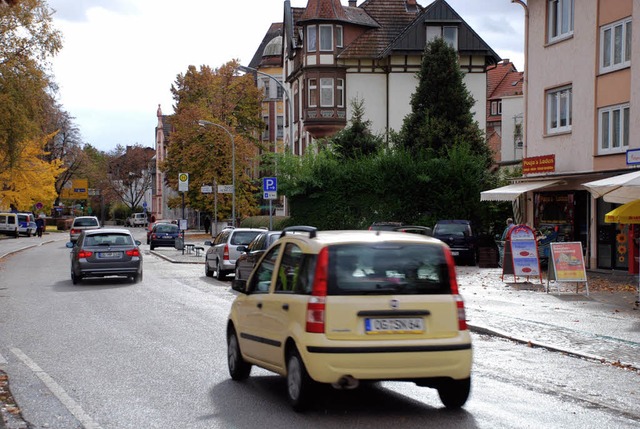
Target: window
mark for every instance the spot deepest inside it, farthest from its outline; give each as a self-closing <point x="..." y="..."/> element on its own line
<point x="326" y="92"/>
<point x="340" y="92"/>
<point x="615" y="46"/>
<point x="496" y="108"/>
<point x="449" y="34"/>
<point x="311" y="38"/>
<point x="613" y="129"/>
<point x="261" y="280"/>
<point x="313" y="93"/>
<point x="265" y="86"/>
<point x="559" y="110"/>
<point x="289" y="268"/>
<point x="280" y="90"/>
<point x="326" y="37"/>
<point x="339" y="36"/>
<point x="560" y="14"/>
<point x="280" y="128"/>
<point x="265" y="132"/>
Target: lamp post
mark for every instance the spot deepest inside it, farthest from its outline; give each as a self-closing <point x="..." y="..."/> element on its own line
<point x="203" y="123"/>
<point x="246" y="69"/>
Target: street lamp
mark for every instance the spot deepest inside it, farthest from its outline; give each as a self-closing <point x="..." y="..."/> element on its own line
<point x="246" y="69"/>
<point x="203" y="123"/>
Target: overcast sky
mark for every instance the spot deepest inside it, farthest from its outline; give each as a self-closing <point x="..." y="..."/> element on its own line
<point x="120" y="57"/>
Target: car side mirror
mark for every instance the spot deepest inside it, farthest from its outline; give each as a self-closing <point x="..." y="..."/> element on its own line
<point x="239" y="286"/>
<point x="208" y="243"/>
<point x="242" y="248"/>
<point x="138" y="242"/>
<point x="69" y="244"/>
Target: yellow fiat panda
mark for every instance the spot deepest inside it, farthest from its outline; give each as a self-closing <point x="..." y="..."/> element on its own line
<point x="340" y="307"/>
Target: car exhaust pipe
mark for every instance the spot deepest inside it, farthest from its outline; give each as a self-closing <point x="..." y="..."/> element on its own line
<point x="346" y="382"/>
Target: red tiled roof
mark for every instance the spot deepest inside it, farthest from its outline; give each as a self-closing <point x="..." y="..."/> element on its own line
<point x="504" y="80"/>
<point x="324" y="9"/>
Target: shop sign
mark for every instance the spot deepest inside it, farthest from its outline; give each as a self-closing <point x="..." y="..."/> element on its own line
<point x="633" y="156"/>
<point x="539" y="164"/>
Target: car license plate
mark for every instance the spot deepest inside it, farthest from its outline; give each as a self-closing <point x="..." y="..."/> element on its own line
<point x="414" y="325"/>
<point x="455" y="253"/>
<point x="167" y="236"/>
<point x="109" y="255"/>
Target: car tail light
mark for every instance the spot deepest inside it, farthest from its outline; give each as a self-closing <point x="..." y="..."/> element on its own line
<point x="453" y="282"/>
<point x="316" y="305"/>
<point x="225" y="252"/>
<point x="84" y="254"/>
<point x="75" y="231"/>
<point x="133" y="252"/>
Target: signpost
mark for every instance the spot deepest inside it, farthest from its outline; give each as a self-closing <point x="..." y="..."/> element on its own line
<point x="270" y="192"/>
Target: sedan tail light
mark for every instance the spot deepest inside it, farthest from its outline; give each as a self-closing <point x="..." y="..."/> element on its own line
<point x="225" y="253"/>
<point x="84" y="254"/>
<point x="133" y="252"/>
<point x="317" y="301"/>
<point x="453" y="283"/>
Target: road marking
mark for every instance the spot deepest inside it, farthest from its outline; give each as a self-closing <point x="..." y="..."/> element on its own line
<point x="57" y="390"/>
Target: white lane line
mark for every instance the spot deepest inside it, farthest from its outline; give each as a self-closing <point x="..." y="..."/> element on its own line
<point x="57" y="390"/>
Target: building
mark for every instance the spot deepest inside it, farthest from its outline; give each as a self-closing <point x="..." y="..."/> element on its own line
<point x="580" y="87"/>
<point x="335" y="54"/>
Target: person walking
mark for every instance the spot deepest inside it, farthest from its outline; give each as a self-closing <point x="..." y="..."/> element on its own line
<point x="207" y="224"/>
<point x="507" y="229"/>
<point x="40" y="226"/>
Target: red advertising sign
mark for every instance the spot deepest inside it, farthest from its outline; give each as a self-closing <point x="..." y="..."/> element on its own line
<point x="568" y="263"/>
<point x="539" y="164"/>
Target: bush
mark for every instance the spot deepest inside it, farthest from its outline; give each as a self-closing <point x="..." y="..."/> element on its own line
<point x="279" y="222"/>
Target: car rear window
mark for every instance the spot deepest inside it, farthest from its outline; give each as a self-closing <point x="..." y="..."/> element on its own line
<point x="388" y="269"/>
<point x="110" y="239"/>
<point x="451" y="229"/>
<point x="240" y="238"/>
<point x="167" y="228"/>
<point x="85" y="222"/>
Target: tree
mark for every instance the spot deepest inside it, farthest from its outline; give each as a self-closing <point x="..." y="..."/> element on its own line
<point x="230" y="101"/>
<point x="131" y="171"/>
<point x="441" y="114"/>
<point x="356" y="140"/>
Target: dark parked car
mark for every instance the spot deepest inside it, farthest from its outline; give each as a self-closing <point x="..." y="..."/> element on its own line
<point x="164" y="235"/>
<point x="105" y="253"/>
<point x="150" y="226"/>
<point x="460" y="237"/>
<point x="251" y="253"/>
<point x="385" y="226"/>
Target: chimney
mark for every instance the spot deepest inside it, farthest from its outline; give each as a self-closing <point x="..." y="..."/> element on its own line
<point x="352" y="3"/>
<point x="411" y="3"/>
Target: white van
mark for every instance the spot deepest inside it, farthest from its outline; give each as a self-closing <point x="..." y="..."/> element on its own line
<point x="26" y="224"/>
<point x="9" y="224"/>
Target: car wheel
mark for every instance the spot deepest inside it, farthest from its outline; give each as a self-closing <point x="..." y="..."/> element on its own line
<point x="220" y="274"/>
<point x="153" y="247"/>
<point x="454" y="393"/>
<point x="299" y="384"/>
<point x="75" y="279"/>
<point x="237" y="274"/>
<point x="239" y="369"/>
<point x="207" y="270"/>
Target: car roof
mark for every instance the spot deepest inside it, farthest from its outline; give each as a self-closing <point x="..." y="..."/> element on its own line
<point x="326" y="238"/>
<point x="106" y="231"/>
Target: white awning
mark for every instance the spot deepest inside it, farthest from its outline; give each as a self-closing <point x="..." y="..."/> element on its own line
<point x="621" y="189"/>
<point x="511" y="192"/>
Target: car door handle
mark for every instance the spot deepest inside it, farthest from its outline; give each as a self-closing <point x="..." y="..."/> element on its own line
<point x="285" y="307"/>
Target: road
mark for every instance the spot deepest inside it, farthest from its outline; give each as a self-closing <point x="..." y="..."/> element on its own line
<point x="112" y="354"/>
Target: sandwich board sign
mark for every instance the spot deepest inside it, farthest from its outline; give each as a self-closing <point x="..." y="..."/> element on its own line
<point x="566" y="264"/>
<point x="521" y="254"/>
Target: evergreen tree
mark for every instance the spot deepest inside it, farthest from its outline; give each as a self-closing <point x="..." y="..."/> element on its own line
<point x="356" y="140"/>
<point x="441" y="107"/>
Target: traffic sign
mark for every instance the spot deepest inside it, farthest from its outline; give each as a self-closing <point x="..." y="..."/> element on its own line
<point x="183" y="182"/>
<point x="144" y="205"/>
<point x="270" y="184"/>
<point x="225" y="189"/>
<point x="206" y="189"/>
<point x="270" y="195"/>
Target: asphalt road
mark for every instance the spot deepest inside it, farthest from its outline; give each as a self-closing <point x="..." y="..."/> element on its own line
<point x="112" y="354"/>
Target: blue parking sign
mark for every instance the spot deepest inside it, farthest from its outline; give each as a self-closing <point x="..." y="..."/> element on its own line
<point x="270" y="184"/>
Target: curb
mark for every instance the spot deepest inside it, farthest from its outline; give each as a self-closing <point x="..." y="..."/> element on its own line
<point x="173" y="261"/>
<point x="493" y="332"/>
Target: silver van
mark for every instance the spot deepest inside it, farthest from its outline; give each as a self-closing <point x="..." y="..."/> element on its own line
<point x="26" y="224"/>
<point x="9" y="224"/>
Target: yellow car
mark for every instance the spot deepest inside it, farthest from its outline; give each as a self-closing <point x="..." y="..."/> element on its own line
<point x="340" y="307"/>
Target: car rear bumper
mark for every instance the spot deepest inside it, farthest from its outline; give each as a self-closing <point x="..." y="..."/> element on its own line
<point x="104" y="272"/>
<point x="392" y="361"/>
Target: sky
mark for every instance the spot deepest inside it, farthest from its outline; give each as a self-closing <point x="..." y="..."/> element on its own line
<point x="120" y="57"/>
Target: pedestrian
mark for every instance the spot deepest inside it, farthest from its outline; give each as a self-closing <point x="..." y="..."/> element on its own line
<point x="40" y="226"/>
<point x="207" y="224"/>
<point x="507" y="229"/>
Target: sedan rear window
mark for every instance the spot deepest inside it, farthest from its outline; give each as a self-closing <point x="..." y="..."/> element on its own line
<point x="108" y="240"/>
<point x="386" y="269"/>
<point x="243" y="237"/>
<point x="85" y="222"/>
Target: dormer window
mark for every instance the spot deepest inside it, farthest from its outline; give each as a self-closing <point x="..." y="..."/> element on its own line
<point x="326" y="37"/>
<point x="496" y="108"/>
<point x="448" y="33"/>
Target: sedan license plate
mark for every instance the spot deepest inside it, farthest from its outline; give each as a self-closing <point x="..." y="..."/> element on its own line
<point x="109" y="255"/>
<point x="455" y="253"/>
<point x="413" y="325"/>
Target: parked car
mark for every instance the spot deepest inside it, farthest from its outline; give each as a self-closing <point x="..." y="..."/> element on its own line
<point x="150" y="226"/>
<point x="137" y="219"/>
<point x="415" y="229"/>
<point x="460" y="237"/>
<point x="340" y="307"/>
<point x="223" y="251"/>
<point x="25" y="224"/>
<point x="82" y="223"/>
<point x="164" y="235"/>
<point x="384" y="226"/>
<point x="104" y="253"/>
<point x="251" y="253"/>
<point x="9" y="224"/>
